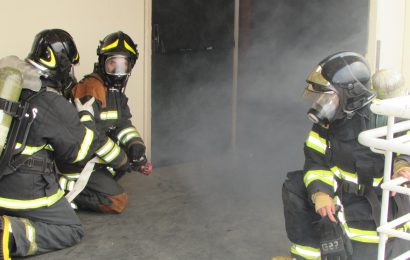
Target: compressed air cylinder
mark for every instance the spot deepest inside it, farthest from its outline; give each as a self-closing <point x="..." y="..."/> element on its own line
<point x="389" y="83"/>
<point x="11" y="82"/>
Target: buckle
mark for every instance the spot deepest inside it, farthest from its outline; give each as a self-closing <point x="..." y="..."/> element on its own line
<point x="9" y="107"/>
<point x="29" y="163"/>
<point x="353" y="188"/>
<point x="360" y="190"/>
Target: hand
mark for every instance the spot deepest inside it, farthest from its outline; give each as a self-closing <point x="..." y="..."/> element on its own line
<point x="87" y="106"/>
<point x="403" y="172"/>
<point x="334" y="243"/>
<point x="122" y="170"/>
<point x="136" y="151"/>
<point x="324" y="205"/>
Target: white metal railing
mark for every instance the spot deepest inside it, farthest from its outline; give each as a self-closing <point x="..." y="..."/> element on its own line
<point x="381" y="140"/>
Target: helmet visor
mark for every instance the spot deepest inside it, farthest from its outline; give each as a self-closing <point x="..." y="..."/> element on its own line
<point x="324" y="103"/>
<point x="316" y="77"/>
<point x="117" y="65"/>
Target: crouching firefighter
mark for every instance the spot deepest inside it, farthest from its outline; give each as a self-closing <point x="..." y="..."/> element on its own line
<point x="35" y="217"/>
<point x="117" y="55"/>
<point x="332" y="207"/>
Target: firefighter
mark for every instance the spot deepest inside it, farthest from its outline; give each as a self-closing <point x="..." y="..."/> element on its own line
<point x="117" y="55"/>
<point x="332" y="207"/>
<point x="35" y="216"/>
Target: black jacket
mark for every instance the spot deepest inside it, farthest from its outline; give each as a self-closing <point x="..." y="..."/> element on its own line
<point x="56" y="134"/>
<point x="335" y="154"/>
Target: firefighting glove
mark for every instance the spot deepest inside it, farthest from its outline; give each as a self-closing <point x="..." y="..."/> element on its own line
<point x="86" y="107"/>
<point x="334" y="243"/>
<point x="136" y="151"/>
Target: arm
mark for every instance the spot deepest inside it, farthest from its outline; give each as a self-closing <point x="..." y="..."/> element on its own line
<point x="109" y="152"/>
<point x="127" y="134"/>
<point x="401" y="168"/>
<point x="72" y="141"/>
<point x="318" y="179"/>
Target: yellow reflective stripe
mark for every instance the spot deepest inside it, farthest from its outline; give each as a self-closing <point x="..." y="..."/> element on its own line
<point x="70" y="185"/>
<point x="109" y="115"/>
<point x="63" y="183"/>
<point x="101" y="161"/>
<point x="316" y="142"/>
<point x="125" y="131"/>
<point x="407" y="226"/>
<point x="86" y="118"/>
<point x="361" y="235"/>
<point x="71" y="176"/>
<point x="31" y="236"/>
<point x="31" y="204"/>
<point x="112" y="154"/>
<point x="49" y="147"/>
<point x="52" y="62"/>
<point x="352" y="177"/>
<point x="110" y="46"/>
<point x="344" y="175"/>
<point x="105" y="148"/>
<point x="109" y="151"/>
<point x="30" y="150"/>
<point x="85" y="145"/>
<point x="128" y="47"/>
<point x="307" y="252"/>
<point x="129" y="137"/>
<point x="6" y="238"/>
<point x="111" y="170"/>
<point x="377" y="181"/>
<point x="321" y="175"/>
<point x="77" y="56"/>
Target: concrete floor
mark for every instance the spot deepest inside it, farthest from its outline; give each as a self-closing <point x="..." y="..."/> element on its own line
<point x="218" y="209"/>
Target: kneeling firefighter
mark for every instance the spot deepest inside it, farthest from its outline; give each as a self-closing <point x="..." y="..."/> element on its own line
<point x="35" y="217"/>
<point x="332" y="207"/>
<point x="117" y="55"/>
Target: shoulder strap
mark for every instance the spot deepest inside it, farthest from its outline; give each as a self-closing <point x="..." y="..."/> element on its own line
<point x="377" y="121"/>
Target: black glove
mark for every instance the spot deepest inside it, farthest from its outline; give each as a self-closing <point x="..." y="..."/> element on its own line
<point x="136" y="151"/>
<point x="122" y="170"/>
<point x="334" y="243"/>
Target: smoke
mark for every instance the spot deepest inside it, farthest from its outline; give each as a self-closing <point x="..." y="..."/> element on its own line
<point x="192" y="88"/>
<point x="288" y="39"/>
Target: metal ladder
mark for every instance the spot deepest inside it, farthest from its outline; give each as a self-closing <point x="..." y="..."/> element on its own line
<point x="381" y="140"/>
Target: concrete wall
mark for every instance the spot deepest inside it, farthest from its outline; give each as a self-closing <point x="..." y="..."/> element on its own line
<point x="88" y="22"/>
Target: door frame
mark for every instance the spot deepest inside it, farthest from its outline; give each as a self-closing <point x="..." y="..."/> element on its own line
<point x="147" y="97"/>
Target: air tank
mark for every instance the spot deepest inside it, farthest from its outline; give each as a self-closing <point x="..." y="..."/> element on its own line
<point x="11" y="82"/>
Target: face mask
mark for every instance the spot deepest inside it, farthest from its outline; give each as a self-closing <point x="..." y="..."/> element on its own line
<point x="324" y="108"/>
<point x="117" y="65"/>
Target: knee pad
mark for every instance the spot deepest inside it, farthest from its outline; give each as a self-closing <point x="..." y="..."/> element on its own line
<point x="118" y="204"/>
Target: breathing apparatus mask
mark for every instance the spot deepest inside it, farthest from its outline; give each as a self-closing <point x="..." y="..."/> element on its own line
<point x="325" y="105"/>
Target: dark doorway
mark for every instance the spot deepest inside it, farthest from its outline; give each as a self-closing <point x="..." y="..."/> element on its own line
<point x="279" y="43"/>
<point x="191" y="79"/>
<point x="286" y="39"/>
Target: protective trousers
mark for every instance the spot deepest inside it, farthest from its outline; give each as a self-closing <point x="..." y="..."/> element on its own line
<point x="32" y="232"/>
<point x="102" y="194"/>
<point x="301" y="223"/>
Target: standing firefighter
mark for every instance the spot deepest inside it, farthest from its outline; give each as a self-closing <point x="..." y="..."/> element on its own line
<point x="117" y="55"/>
<point x="35" y="216"/>
<point x="332" y="207"/>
